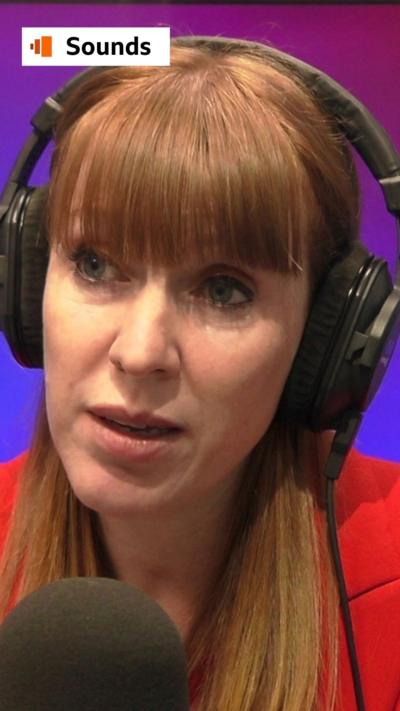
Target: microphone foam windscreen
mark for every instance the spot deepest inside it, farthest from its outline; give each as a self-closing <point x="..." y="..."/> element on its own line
<point x="91" y="643"/>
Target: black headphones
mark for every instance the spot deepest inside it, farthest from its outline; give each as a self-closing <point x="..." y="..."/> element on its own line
<point x="354" y="320"/>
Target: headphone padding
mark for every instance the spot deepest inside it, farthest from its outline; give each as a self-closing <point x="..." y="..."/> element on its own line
<point x="324" y="320"/>
<point x="33" y="267"/>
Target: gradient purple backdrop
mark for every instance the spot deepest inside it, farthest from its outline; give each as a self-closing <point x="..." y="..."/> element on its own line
<point x="357" y="45"/>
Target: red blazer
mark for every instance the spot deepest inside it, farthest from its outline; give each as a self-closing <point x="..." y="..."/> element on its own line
<point x="368" y="516"/>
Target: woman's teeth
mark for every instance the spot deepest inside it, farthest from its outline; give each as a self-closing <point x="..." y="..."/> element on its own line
<point x="142" y="430"/>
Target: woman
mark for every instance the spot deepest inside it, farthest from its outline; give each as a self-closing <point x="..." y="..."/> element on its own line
<point x="192" y="213"/>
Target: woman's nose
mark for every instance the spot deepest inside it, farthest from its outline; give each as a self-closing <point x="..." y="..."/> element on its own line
<point x="147" y="334"/>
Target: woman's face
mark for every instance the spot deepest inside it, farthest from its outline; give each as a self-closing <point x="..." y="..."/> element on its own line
<point x="174" y="343"/>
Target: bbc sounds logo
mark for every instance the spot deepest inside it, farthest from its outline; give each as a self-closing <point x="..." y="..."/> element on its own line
<point x="95" y="46"/>
<point x="43" y="46"/>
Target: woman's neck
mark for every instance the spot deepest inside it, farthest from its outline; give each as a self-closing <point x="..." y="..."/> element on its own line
<point x="175" y="559"/>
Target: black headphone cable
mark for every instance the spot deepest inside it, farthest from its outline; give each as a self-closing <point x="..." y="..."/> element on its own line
<point x="343" y="439"/>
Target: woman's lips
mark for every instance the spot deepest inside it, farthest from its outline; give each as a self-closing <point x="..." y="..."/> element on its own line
<point x="138" y="419"/>
<point x="131" y="446"/>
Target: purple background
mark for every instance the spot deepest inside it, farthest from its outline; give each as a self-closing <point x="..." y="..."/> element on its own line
<point x="357" y="45"/>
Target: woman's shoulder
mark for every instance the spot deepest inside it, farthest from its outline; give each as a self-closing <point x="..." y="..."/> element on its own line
<point x="10" y="469"/>
<point x="367" y="504"/>
<point x="368" y="486"/>
<point x="13" y="464"/>
<point x="9" y="472"/>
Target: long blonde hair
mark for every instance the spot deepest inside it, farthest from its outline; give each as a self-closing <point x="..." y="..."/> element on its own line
<point x="219" y="152"/>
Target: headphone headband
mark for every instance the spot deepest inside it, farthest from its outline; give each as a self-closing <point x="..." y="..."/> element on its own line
<point x="360" y="128"/>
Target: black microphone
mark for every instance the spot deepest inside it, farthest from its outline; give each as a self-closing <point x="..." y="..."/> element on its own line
<point x="93" y="644"/>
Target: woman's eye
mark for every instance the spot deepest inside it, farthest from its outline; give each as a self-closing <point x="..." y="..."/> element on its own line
<point x="227" y="292"/>
<point x="92" y="267"/>
<point x="222" y="291"/>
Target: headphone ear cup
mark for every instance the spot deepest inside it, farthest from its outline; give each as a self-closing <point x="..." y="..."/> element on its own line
<point x="34" y="262"/>
<point x="323" y="382"/>
<point x="27" y="266"/>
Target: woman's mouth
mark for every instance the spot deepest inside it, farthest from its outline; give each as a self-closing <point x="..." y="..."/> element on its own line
<point x="132" y="444"/>
<point x="142" y="432"/>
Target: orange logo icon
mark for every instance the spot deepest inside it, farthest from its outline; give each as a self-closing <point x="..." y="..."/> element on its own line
<point x="43" y="46"/>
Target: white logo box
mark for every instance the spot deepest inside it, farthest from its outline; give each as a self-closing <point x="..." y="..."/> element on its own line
<point x="96" y="46"/>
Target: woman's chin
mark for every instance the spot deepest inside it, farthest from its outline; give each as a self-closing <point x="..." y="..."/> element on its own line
<point x="113" y="491"/>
